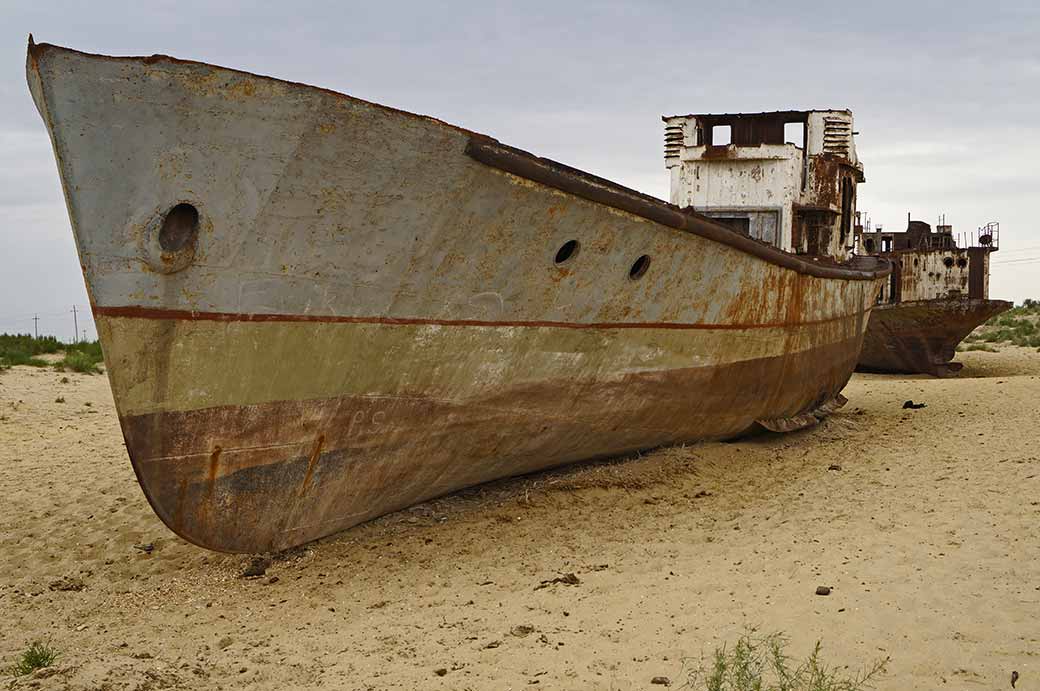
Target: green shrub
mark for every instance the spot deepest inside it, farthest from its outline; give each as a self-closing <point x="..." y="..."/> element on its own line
<point x="8" y="360"/>
<point x="25" y="343"/>
<point x="761" y="664"/>
<point x="1018" y="325"/>
<point x="984" y="347"/>
<point x="1002" y="320"/>
<point x="91" y="348"/>
<point x="36" y="656"/>
<point x="22" y="349"/>
<point x="80" y="361"/>
<point x="999" y="335"/>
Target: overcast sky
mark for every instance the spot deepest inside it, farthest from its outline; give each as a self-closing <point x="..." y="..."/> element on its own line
<point x="946" y="96"/>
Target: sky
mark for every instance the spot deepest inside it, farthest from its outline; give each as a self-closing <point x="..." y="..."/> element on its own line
<point x="946" y="97"/>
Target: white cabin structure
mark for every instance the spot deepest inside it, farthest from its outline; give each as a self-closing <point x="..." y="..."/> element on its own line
<point x="787" y="178"/>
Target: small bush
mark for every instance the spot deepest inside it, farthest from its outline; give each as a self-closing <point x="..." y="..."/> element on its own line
<point x="91" y="348"/>
<point x="36" y="656"/>
<point x="25" y="343"/>
<point x="1018" y="326"/>
<point x="80" y="361"/>
<point x="761" y="664"/>
<point x="22" y="349"/>
<point x="984" y="347"/>
<point x="11" y="359"/>
<point x="1002" y="334"/>
<point x="1002" y="320"/>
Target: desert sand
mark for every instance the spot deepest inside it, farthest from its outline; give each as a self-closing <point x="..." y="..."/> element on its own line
<point x="923" y="522"/>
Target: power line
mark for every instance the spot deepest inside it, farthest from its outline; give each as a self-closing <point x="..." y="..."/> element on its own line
<point x="1020" y="249"/>
<point x="30" y="315"/>
<point x="1016" y="259"/>
<point x="49" y="326"/>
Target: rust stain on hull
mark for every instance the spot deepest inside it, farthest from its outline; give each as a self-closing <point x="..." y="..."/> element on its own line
<point x="921" y="337"/>
<point x="383" y="454"/>
<point x="214" y="463"/>
<point x="315" y="455"/>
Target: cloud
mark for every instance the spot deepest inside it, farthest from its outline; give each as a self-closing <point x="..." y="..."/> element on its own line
<point x="945" y="95"/>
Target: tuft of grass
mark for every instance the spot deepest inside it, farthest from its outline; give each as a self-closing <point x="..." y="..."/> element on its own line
<point x="1018" y="326"/>
<point x="8" y="360"/>
<point x="91" y="348"/>
<point x="762" y="664"/>
<point x="22" y="349"/>
<point x="79" y="361"/>
<point x="36" y="656"/>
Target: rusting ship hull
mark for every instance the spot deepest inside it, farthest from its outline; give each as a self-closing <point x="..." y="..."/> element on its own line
<point x="921" y="337"/>
<point x="315" y="310"/>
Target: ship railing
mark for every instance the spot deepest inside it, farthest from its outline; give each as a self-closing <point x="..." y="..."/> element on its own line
<point x="987" y="237"/>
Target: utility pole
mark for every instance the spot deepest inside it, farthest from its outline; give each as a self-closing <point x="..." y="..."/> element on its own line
<point x="36" y="325"/>
<point x="75" y="325"/>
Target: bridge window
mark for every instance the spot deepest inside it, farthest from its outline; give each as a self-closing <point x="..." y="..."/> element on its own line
<point x="794" y="133"/>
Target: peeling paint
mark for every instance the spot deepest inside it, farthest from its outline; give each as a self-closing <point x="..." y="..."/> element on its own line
<point x="798" y="196"/>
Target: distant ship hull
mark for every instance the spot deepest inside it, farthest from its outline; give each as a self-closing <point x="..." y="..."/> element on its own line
<point x="315" y="310"/>
<point x="921" y="337"/>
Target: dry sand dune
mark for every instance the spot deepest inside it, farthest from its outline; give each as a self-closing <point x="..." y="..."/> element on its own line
<point x="924" y="522"/>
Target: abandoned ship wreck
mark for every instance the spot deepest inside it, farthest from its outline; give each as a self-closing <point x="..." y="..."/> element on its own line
<point x="315" y="310"/>
<point x="937" y="294"/>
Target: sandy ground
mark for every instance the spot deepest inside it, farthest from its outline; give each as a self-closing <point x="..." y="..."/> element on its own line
<point x="924" y="522"/>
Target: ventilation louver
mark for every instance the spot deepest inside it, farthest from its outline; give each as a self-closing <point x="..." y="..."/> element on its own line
<point x="673" y="141"/>
<point x="837" y="137"/>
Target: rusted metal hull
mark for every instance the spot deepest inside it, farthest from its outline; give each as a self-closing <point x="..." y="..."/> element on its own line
<point x="371" y="308"/>
<point x="921" y="337"/>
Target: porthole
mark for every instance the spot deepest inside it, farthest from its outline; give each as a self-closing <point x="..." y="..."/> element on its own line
<point x="948" y="262"/>
<point x="567" y="251"/>
<point x="639" y="267"/>
<point x="179" y="228"/>
<point x="962" y="262"/>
